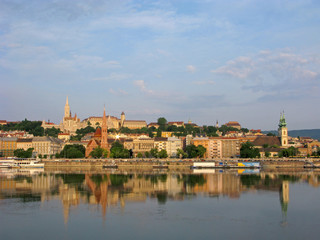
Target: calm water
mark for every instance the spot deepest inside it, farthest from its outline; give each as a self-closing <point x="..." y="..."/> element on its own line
<point x="217" y="205"/>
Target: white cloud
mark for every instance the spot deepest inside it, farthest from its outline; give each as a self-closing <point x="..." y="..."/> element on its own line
<point x="191" y="68"/>
<point x="273" y="71"/>
<point x="141" y="84"/>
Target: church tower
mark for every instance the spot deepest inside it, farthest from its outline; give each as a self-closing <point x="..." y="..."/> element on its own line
<point x="283" y="130"/>
<point x="67" y="109"/>
<point x="123" y="118"/>
<point x="104" y="131"/>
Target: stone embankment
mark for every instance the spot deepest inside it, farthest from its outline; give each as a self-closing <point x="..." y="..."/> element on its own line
<point x="170" y="164"/>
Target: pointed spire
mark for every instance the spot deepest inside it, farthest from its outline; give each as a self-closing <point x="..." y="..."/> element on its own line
<point x="67" y="101"/>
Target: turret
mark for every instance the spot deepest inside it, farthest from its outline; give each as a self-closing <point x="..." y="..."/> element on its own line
<point x="123" y="118"/>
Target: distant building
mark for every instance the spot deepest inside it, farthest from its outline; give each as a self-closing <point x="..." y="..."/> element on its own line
<point x="64" y="136"/>
<point x="3" y="122"/>
<point x="68" y="124"/>
<point x="46" y="145"/>
<point x="160" y="143"/>
<point x="153" y="124"/>
<point x="233" y="124"/>
<point x="142" y="145"/>
<point x="177" y="124"/>
<point x="173" y="144"/>
<point x="134" y="124"/>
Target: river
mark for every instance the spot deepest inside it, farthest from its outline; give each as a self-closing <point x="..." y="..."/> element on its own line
<point x="40" y="204"/>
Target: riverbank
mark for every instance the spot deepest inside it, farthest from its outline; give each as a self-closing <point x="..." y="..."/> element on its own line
<point x="170" y="164"/>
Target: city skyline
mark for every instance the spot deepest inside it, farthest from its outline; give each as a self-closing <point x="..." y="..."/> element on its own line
<point x="243" y="61"/>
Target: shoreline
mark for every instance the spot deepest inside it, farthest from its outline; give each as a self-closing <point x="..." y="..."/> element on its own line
<point x="171" y="164"/>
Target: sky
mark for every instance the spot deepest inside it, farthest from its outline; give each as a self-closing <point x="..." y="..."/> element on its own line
<point x="198" y="60"/>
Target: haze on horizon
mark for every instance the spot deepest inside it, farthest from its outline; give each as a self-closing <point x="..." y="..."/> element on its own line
<point x="241" y="60"/>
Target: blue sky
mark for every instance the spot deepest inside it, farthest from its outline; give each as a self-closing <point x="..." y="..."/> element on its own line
<point x="204" y="60"/>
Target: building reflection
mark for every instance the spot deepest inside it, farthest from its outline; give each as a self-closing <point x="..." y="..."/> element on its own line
<point x="117" y="190"/>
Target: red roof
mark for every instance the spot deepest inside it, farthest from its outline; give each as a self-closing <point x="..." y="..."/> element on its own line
<point x="175" y="122"/>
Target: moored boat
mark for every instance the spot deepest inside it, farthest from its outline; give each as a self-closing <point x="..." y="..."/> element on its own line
<point x="29" y="164"/>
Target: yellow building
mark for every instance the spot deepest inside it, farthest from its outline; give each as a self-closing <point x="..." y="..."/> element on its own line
<point x="46" y="145"/>
<point x="24" y="143"/>
<point x="7" y="146"/>
<point x="142" y="145"/>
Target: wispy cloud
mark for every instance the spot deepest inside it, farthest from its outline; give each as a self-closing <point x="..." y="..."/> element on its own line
<point x="277" y="71"/>
<point x="142" y="86"/>
<point x="191" y="68"/>
<point x="112" y="77"/>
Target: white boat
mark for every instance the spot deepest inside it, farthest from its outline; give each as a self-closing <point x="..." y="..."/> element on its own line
<point x="29" y="164"/>
<point x="8" y="163"/>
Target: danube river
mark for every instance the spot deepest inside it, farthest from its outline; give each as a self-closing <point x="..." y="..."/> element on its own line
<point x="40" y="204"/>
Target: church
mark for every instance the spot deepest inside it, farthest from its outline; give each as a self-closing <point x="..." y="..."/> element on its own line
<point x="68" y="124"/>
<point x="100" y="138"/>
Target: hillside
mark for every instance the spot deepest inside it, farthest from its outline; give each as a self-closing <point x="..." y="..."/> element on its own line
<point x="313" y="133"/>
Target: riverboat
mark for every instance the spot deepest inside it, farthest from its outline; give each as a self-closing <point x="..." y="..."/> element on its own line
<point x="29" y="164"/>
<point x="6" y="163"/>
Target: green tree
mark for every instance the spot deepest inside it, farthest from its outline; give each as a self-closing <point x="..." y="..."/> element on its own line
<point x="20" y="153"/>
<point x="289" y="152"/>
<point x="163" y="154"/>
<point x="72" y="151"/>
<point x="201" y="151"/>
<point x="267" y="154"/>
<point x="244" y="130"/>
<point x="162" y="123"/>
<point x="97" y="152"/>
<point x="270" y="134"/>
<point x="118" y="151"/>
<point x="139" y="155"/>
<point x="154" y="152"/>
<point x="52" y="132"/>
<point x="247" y="150"/>
<point x="80" y="133"/>
<point x="181" y="153"/>
<point x="191" y="150"/>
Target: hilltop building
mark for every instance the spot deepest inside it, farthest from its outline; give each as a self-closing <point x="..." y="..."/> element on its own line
<point x="68" y="124"/>
<point x="233" y="124"/>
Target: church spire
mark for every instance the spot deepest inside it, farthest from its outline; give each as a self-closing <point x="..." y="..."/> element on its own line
<point x="104" y="130"/>
<point x="67" y="109"/>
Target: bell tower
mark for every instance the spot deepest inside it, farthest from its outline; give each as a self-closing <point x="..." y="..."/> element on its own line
<point x="104" y="131"/>
<point x="67" y="109"/>
<point x="283" y="130"/>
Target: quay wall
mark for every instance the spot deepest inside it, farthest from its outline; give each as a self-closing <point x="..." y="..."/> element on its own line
<point x="172" y="164"/>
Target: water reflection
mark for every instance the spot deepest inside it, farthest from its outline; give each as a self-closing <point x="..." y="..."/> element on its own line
<point x="110" y="190"/>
